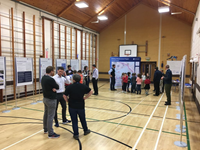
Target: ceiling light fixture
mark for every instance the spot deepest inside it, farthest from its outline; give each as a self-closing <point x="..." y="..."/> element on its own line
<point x="102" y="17"/>
<point x="163" y="9"/>
<point x="81" y="4"/>
<point x="95" y="21"/>
<point x="101" y="12"/>
<point x="176" y="13"/>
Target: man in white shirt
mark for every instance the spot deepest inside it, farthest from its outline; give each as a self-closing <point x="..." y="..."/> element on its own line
<point x="95" y="76"/>
<point x="61" y="81"/>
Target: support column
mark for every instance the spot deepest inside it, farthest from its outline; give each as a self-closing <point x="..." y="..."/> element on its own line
<point x="160" y="38"/>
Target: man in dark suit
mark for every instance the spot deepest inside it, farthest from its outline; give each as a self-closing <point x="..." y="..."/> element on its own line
<point x="156" y="80"/>
<point x="112" y="78"/>
<point x="168" y="84"/>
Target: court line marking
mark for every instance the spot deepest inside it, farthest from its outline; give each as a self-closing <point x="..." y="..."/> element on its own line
<point x="129" y="112"/>
<point x="160" y="131"/>
<point x="21" y="140"/>
<point x="134" y="147"/>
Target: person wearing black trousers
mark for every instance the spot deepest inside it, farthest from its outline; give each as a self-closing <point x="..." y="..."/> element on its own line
<point x="162" y="82"/>
<point x="61" y="81"/>
<point x="86" y="74"/>
<point x="156" y="80"/>
<point x="112" y="78"/>
<point x="75" y="96"/>
<point x="129" y="81"/>
<point x="168" y="84"/>
<point x="95" y="76"/>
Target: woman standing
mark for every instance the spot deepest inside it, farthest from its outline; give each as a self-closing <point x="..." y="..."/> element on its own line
<point x="86" y="75"/>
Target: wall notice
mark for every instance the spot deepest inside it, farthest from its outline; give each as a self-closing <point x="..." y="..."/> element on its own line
<point x="2" y="72"/>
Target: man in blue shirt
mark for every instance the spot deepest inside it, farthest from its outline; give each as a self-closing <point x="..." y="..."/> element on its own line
<point x="168" y="84"/>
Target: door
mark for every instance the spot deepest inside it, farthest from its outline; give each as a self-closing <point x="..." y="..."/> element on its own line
<point x="148" y="67"/>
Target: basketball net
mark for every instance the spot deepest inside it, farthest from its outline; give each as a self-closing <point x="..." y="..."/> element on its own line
<point x="127" y="55"/>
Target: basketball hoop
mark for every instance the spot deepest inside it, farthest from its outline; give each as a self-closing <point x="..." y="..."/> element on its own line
<point x="127" y="55"/>
<point x="127" y="52"/>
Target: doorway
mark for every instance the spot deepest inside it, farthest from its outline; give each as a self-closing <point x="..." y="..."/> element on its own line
<point x="148" y="67"/>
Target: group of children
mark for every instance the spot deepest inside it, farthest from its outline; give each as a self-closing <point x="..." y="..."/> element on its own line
<point x="136" y="83"/>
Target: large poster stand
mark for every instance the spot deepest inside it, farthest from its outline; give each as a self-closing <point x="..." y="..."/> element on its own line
<point x="39" y="101"/>
<point x="180" y="128"/>
<point x="43" y="62"/>
<point x="3" y="80"/>
<point x="124" y="64"/>
<point x="6" y="103"/>
<point x="23" y="76"/>
<point x="16" y="100"/>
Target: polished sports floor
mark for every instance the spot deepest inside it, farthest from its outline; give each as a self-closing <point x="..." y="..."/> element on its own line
<point x="117" y="121"/>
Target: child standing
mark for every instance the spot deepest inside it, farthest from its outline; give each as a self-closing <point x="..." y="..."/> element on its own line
<point x="147" y="85"/>
<point x="125" y="81"/>
<point x="143" y="79"/>
<point x="133" y="83"/>
<point x="129" y="81"/>
<point x="139" y="82"/>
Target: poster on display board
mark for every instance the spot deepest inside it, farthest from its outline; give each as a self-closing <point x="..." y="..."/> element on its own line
<point x="175" y="67"/>
<point x="125" y="65"/>
<point x="75" y="64"/>
<point x="83" y="64"/>
<point x="61" y="63"/>
<point x="24" y="71"/>
<point x="44" y="63"/>
<point x="2" y="72"/>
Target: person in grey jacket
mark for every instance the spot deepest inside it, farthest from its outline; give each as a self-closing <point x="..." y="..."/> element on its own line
<point x="133" y="83"/>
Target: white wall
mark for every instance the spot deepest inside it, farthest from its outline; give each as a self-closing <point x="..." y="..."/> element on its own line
<point x="195" y="46"/>
<point x="5" y="11"/>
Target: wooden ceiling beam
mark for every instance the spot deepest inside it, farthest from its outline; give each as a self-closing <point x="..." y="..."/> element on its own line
<point x="174" y="5"/>
<point x="66" y="9"/>
<point x="104" y="9"/>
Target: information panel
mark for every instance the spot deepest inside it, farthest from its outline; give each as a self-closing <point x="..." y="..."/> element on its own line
<point x="124" y="65"/>
<point x="2" y="72"/>
<point x="75" y="64"/>
<point x="61" y="63"/>
<point x="44" y="63"/>
<point x="83" y="64"/>
<point x="175" y="67"/>
<point x="24" y="71"/>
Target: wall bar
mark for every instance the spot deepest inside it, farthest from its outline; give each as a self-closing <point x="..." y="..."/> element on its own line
<point x="13" y="53"/>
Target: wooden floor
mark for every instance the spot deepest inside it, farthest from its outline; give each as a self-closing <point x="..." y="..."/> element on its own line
<point x="118" y="121"/>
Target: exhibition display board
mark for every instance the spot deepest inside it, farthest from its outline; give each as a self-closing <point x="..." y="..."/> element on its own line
<point x="24" y="71"/>
<point x="124" y="65"/>
<point x="61" y="63"/>
<point x="175" y="67"/>
<point x="44" y="63"/>
<point x="75" y="64"/>
<point x="83" y="64"/>
<point x="2" y="72"/>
